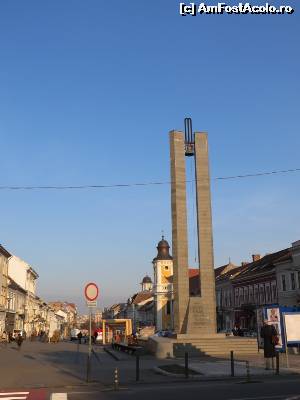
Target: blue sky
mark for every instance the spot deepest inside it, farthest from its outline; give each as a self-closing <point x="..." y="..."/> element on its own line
<point x="88" y="93"/>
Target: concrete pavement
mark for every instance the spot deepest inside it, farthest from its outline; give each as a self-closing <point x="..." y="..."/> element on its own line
<point x="64" y="364"/>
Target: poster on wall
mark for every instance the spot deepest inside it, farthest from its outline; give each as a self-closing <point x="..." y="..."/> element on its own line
<point x="292" y="327"/>
<point x="274" y="318"/>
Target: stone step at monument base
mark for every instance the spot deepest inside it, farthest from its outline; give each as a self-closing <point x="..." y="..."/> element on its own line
<point x="214" y="346"/>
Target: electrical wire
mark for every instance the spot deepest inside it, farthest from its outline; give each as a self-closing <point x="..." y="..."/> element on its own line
<point x="79" y="187"/>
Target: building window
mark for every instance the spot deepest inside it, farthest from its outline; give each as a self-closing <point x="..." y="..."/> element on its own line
<point x="256" y="296"/>
<point x="268" y="293"/>
<point x="262" y="294"/>
<point x="236" y="297"/>
<point x="218" y="299"/>
<point x="166" y="267"/>
<point x="246" y="294"/>
<point x="299" y="279"/>
<point x="241" y="297"/>
<point x="168" y="307"/>
<point x="293" y="281"/>
<point x="251" y="294"/>
<point x="283" y="283"/>
<point x="274" y="292"/>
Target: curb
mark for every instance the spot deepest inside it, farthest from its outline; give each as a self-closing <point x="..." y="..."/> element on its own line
<point x="203" y="378"/>
<point x="113" y="355"/>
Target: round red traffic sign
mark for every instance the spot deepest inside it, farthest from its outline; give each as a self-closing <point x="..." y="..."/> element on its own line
<point x="91" y="291"/>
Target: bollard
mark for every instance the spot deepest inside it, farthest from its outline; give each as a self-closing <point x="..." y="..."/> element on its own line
<point x="186" y="364"/>
<point x="88" y="367"/>
<point x="116" y="380"/>
<point x="137" y="368"/>
<point x="232" y="363"/>
<point x="248" y="371"/>
<point x="277" y="363"/>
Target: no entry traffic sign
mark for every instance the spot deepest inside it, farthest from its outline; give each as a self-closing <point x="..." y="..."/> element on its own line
<point x="91" y="291"/>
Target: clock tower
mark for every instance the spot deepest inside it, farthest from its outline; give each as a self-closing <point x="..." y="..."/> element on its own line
<point x="163" y="286"/>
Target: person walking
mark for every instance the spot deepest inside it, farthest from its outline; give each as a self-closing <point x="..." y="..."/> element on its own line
<point x="4" y="338"/>
<point x="235" y="330"/>
<point x="79" y="337"/>
<point x="19" y="341"/>
<point x="10" y="337"/>
<point x="95" y="337"/>
<point x="269" y="334"/>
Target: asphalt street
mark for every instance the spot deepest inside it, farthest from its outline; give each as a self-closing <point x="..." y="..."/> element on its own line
<point x="39" y="370"/>
<point x="272" y="390"/>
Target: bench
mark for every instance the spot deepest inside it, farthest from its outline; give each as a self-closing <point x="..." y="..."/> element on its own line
<point x="130" y="349"/>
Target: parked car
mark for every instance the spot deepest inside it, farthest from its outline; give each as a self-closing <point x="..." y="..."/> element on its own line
<point x="164" y="333"/>
<point x="74" y="333"/>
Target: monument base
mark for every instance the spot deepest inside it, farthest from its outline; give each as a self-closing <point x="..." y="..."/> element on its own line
<point x="214" y="345"/>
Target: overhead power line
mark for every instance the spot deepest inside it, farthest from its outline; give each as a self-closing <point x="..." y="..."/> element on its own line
<point x="123" y="185"/>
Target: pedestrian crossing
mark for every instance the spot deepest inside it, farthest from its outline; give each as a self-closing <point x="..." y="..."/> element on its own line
<point x="31" y="395"/>
<point x="59" y="396"/>
<point x="23" y="394"/>
<point x="14" y="395"/>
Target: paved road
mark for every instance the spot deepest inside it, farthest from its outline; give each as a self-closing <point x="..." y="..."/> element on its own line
<point x="271" y="390"/>
<point x="278" y="390"/>
<point x="62" y="366"/>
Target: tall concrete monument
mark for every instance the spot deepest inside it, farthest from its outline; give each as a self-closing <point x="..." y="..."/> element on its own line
<point x="195" y="322"/>
<point x="192" y="315"/>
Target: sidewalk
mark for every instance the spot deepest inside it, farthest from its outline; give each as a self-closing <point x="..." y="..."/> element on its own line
<point x="22" y="369"/>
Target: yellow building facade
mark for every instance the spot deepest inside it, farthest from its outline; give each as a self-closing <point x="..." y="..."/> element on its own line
<point x="4" y="256"/>
<point x="163" y="286"/>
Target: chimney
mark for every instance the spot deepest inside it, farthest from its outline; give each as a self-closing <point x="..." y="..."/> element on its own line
<point x="244" y="263"/>
<point x="255" y="257"/>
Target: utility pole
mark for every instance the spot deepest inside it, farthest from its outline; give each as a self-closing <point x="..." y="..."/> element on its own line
<point x="91" y="293"/>
<point x="88" y="370"/>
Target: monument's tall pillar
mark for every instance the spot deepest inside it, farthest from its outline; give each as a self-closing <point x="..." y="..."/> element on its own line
<point x="179" y="231"/>
<point x="205" y="237"/>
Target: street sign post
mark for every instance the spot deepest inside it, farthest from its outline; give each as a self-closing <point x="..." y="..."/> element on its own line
<point x="91" y="304"/>
<point x="91" y="293"/>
